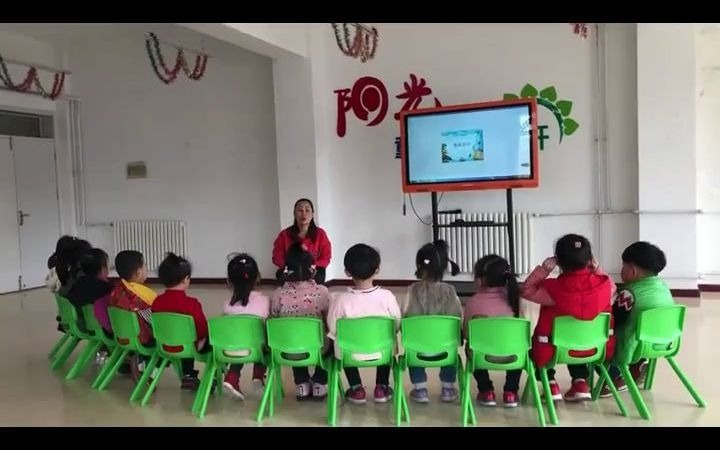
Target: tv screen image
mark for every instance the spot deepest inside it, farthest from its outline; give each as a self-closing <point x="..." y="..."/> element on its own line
<point x="489" y="145"/>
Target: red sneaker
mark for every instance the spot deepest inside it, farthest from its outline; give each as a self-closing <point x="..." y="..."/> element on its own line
<point x="554" y="392"/>
<point x="578" y="392"/>
<point x="231" y="385"/>
<point x="510" y="399"/>
<point x="382" y="394"/>
<point x="486" y="398"/>
<point x="619" y="385"/>
<point x="356" y="395"/>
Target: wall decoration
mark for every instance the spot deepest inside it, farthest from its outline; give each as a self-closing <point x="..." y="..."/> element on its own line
<point x="167" y="76"/>
<point x="580" y="29"/>
<point x="560" y="109"/>
<point x="363" y="43"/>
<point x="32" y="79"/>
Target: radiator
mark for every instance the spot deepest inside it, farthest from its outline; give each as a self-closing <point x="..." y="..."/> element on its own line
<point x="467" y="245"/>
<point x="153" y="238"/>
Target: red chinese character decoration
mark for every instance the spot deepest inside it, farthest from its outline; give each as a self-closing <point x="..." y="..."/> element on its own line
<point x="581" y="29"/>
<point x="414" y="92"/>
<point x="369" y="95"/>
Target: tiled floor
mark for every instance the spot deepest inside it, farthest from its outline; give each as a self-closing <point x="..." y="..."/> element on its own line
<point x="30" y="394"/>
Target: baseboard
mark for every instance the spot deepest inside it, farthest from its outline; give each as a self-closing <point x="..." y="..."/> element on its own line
<point x="709" y="287"/>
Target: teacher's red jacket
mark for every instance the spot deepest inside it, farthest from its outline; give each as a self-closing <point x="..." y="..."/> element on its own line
<point x="582" y="294"/>
<point x="319" y="247"/>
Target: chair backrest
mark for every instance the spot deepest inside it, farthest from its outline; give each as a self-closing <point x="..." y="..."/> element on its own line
<point x="498" y="343"/>
<point x="659" y="331"/>
<point x="574" y="335"/>
<point x="126" y="329"/>
<point x="296" y="341"/>
<point x="431" y="341"/>
<point x="93" y="325"/>
<point x="175" y="334"/>
<point x="69" y="317"/>
<point x="235" y="334"/>
<point x="366" y="341"/>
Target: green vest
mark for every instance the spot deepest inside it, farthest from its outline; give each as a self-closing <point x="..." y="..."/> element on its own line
<point x="649" y="293"/>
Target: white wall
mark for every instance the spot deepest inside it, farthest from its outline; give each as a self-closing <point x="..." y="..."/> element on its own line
<point x="359" y="179"/>
<point x="666" y="143"/>
<point x="209" y="145"/>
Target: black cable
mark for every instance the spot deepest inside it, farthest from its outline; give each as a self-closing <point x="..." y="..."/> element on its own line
<point x="416" y="214"/>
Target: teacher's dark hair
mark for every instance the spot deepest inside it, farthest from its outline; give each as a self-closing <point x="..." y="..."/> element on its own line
<point x="312" y="228"/>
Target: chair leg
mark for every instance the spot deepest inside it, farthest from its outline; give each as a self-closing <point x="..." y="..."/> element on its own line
<point x="595" y="389"/>
<point x="608" y="381"/>
<point x="220" y="370"/>
<point x="650" y="375"/>
<point x="635" y="392"/>
<point x="63" y="355"/>
<point x="332" y="394"/>
<point x="163" y="363"/>
<point x="548" y="396"/>
<point x="685" y="382"/>
<point x="269" y="386"/>
<point x="531" y="383"/>
<point x="142" y="383"/>
<point x="399" y="394"/>
<point x="107" y="367"/>
<point x="58" y="345"/>
<point x="211" y="369"/>
<point x="81" y="363"/>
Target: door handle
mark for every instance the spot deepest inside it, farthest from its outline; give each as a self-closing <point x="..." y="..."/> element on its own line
<point x="21" y="217"/>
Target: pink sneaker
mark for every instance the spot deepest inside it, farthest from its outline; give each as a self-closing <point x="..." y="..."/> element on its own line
<point x="510" y="399"/>
<point x="382" y="394"/>
<point x="231" y="385"/>
<point x="356" y="395"/>
<point x="486" y="398"/>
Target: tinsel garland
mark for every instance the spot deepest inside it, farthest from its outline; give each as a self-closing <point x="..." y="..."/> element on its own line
<point x="360" y="45"/>
<point x="31" y="78"/>
<point x="167" y="76"/>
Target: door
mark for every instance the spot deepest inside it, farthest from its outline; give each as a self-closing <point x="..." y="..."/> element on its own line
<point x="9" y="242"/>
<point x="37" y="206"/>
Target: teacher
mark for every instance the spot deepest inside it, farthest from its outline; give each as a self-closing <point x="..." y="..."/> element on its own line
<point x="312" y="237"/>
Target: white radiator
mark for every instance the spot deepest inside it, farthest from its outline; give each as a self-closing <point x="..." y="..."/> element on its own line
<point x="467" y="245"/>
<point x="153" y="238"/>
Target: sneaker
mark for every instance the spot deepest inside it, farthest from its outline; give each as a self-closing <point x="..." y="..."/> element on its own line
<point x="231" y="385"/>
<point x="303" y="391"/>
<point x="258" y="386"/>
<point x="639" y="371"/>
<point x="190" y="383"/>
<point x="486" y="398"/>
<point x="100" y="358"/>
<point x="356" y="395"/>
<point x="620" y="385"/>
<point x="420" y="395"/>
<point x="510" y="399"/>
<point x="319" y="391"/>
<point x="382" y="393"/>
<point x="555" y="392"/>
<point x="578" y="392"/>
<point x="448" y="394"/>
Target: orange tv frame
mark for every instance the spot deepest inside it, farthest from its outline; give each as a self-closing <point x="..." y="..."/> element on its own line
<point x="472" y="185"/>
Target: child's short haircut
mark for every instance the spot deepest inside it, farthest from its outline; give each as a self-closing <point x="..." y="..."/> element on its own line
<point x="646" y="256"/>
<point x="127" y="262"/>
<point x="362" y="261"/>
<point x="173" y="269"/>
<point x="573" y="252"/>
<point x="93" y="261"/>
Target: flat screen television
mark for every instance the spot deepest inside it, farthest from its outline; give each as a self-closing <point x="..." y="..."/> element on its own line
<point x="491" y="145"/>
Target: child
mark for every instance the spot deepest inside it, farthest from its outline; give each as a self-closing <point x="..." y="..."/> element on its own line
<point x="174" y="273"/>
<point x="300" y="295"/>
<point x="67" y="262"/>
<point x="498" y="295"/>
<point x="243" y="276"/>
<point x="430" y="296"/>
<point x="132" y="295"/>
<point x="92" y="285"/>
<point x="642" y="291"/>
<point x="582" y="291"/>
<point x="362" y="263"/>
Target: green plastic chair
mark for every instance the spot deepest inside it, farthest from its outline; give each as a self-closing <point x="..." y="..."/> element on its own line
<point x="63" y="338"/>
<point x="69" y="318"/>
<point x="94" y="343"/>
<point x="172" y="330"/>
<point x="659" y="333"/>
<point x="570" y="334"/>
<point x="430" y="342"/>
<point x="293" y="342"/>
<point x="499" y="343"/>
<point x="231" y="334"/>
<point x="126" y="330"/>
<point x="364" y="336"/>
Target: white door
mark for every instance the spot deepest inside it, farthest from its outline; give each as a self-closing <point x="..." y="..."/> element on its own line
<point x="37" y="206"/>
<point x="9" y="243"/>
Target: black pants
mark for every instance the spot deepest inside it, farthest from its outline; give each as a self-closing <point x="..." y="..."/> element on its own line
<point x="512" y="380"/>
<point x="188" y="365"/>
<point x="302" y="375"/>
<point x="577" y="371"/>
<point x="382" y="376"/>
<point x="319" y="275"/>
